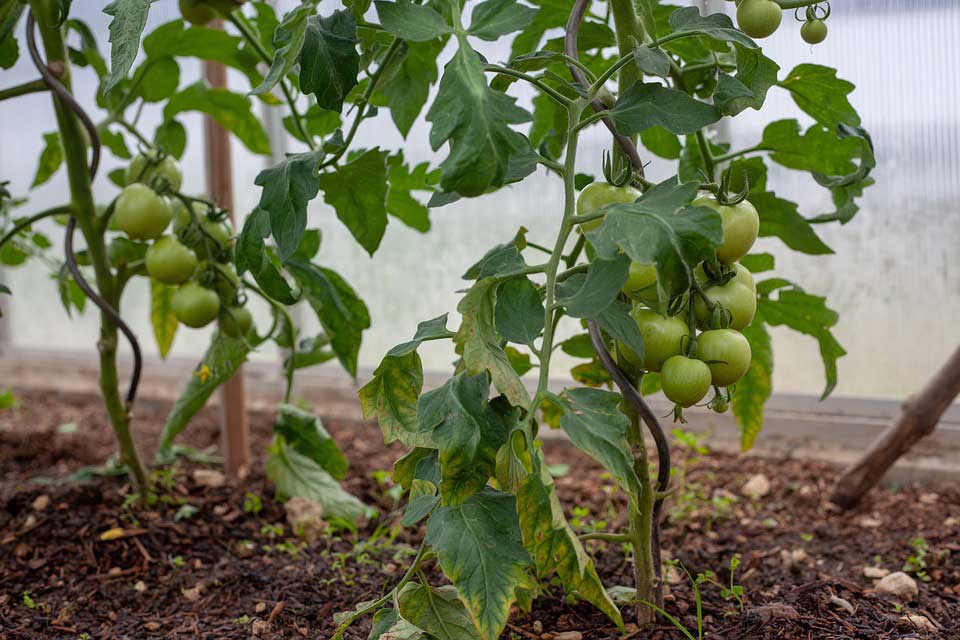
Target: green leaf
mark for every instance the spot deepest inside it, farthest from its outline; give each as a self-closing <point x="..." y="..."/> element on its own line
<point x="171" y="137"/>
<point x="753" y="390"/>
<point x="400" y="203"/>
<point x="717" y="26"/>
<point x="222" y="359"/>
<point x="780" y="218"/>
<point x="605" y="279"/>
<point x="287" y="189"/>
<point x="519" y="360"/>
<point x="176" y="39"/>
<point x="478" y="546"/>
<point x="519" y="312"/>
<point x="342" y="314"/>
<point x="288" y="40"/>
<point x="329" y="61"/>
<point x="651" y="62"/>
<point x="502" y="259"/>
<point x="129" y="19"/>
<point x="358" y="192"/>
<point x="412" y="22"/>
<point x="821" y="94"/>
<point x="50" y="159"/>
<point x="391" y="397"/>
<point x="161" y="77"/>
<point x="661" y="142"/>
<point x="595" y="425"/>
<point x="7" y="400"/>
<point x="114" y="141"/>
<point x="553" y="544"/>
<point x="305" y="433"/>
<point x="662" y="229"/>
<point x="809" y="315"/>
<point x="231" y="110"/>
<point x="296" y="475"/>
<point x="758" y="262"/>
<point x="646" y="105"/>
<point x="480" y="342"/>
<point x="252" y="256"/>
<point x="494" y="18"/>
<point x="475" y="121"/>
<point x="423" y="500"/>
<point x="818" y="150"/>
<point x="406" y="82"/>
<point x="162" y="318"/>
<point x="756" y="73"/>
<point x="436" y="611"/>
<point x="318" y="123"/>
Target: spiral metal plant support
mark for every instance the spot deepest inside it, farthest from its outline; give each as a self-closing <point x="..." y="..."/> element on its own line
<point x="620" y="378"/>
<point x="67" y="98"/>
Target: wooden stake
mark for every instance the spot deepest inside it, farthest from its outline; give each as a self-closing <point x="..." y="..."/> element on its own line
<point x="918" y="419"/>
<point x="235" y="428"/>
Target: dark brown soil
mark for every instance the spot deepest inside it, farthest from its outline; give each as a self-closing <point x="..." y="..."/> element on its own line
<point x="224" y="572"/>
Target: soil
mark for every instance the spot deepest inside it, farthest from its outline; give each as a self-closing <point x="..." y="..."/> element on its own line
<point x="218" y="570"/>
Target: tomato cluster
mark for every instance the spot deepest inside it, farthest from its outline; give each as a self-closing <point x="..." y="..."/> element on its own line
<point x="208" y="289"/>
<point x="721" y="301"/>
<point x="761" y="18"/>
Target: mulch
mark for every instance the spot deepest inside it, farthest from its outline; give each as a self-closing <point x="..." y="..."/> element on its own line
<point x="221" y="568"/>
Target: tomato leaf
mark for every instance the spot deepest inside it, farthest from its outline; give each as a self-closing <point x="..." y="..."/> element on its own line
<point x="252" y="255"/>
<point x="519" y="312"/>
<point x="475" y="121"/>
<point x="598" y="428"/>
<point x="605" y="279"/>
<point x="162" y="320"/>
<point x="129" y="19"/>
<point x="821" y="94"/>
<point x="756" y="73"/>
<point x="753" y="390"/>
<point x="661" y="142"/>
<point x="480" y="342"/>
<point x="651" y="61"/>
<point x="494" y="18"/>
<point x="342" y="314"/>
<point x="405" y="85"/>
<point x="553" y="544"/>
<point x="412" y="22"/>
<point x="646" y="105"/>
<point x="357" y="191"/>
<point x="502" y="259"/>
<point x="171" y="137"/>
<point x="717" y="26"/>
<point x="400" y="203"/>
<point x="818" y="150"/>
<point x="288" y="40"/>
<point x="50" y="159"/>
<point x="287" y="188"/>
<point x="232" y="111"/>
<point x="175" y="39"/>
<point x="436" y="611"/>
<point x="479" y="548"/>
<point x="329" y="61"/>
<point x="305" y="433"/>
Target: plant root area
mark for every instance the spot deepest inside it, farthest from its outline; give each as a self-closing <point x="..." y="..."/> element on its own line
<point x="208" y="561"/>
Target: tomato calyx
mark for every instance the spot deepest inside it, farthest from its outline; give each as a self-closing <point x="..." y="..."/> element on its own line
<point x="616" y="169"/>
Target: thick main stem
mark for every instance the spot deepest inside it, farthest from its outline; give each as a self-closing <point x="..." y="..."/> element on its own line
<point x="84" y="209"/>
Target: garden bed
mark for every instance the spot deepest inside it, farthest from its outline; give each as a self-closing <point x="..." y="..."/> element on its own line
<point x="224" y="569"/>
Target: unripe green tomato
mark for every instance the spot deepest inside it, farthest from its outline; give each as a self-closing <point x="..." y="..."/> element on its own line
<point x="720" y="405"/>
<point x="685" y="381"/>
<point x="740" y="223"/>
<point x="170" y="262"/>
<point x="194" y="305"/>
<point x="814" y="31"/>
<point x="641" y="281"/>
<point x="726" y="352"/>
<point x="759" y="18"/>
<point x="140" y="213"/>
<point x="223" y="7"/>
<point x="143" y="168"/>
<point x="182" y="217"/>
<point x="738" y="296"/>
<point x="236" y="322"/>
<point x="662" y="337"/>
<point x="197" y="12"/>
<point x="222" y="277"/>
<point x="220" y="232"/>
<point x="599" y="194"/>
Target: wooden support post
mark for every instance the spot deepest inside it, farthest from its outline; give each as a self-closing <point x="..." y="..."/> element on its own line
<point x="235" y="428"/>
<point x="918" y="418"/>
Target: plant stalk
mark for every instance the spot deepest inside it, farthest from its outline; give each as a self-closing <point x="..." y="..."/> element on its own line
<point x="84" y="209"/>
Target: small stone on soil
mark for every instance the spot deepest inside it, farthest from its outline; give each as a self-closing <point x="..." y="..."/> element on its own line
<point x="756" y="487"/>
<point x="305" y="517"/>
<point x="41" y="502"/>
<point x="875" y="573"/>
<point x="209" y="478"/>
<point x="843" y="604"/>
<point x="921" y="623"/>
<point x="568" y="635"/>
<point x="898" y="584"/>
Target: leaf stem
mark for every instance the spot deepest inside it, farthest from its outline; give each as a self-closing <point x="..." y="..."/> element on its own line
<point x="34" y="86"/>
<point x="742" y="152"/>
<point x="23" y="224"/>
<point x="708" y="160"/>
<point x="239" y="22"/>
<point x="606" y="75"/>
<point x="606" y="537"/>
<point x="537" y="82"/>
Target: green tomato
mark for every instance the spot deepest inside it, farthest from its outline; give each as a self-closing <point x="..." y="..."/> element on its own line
<point x="738" y="296"/>
<point x="141" y="213"/>
<point x="220" y="232"/>
<point x="194" y="305"/>
<point x="197" y="12"/>
<point x="726" y="352"/>
<point x="236" y="322"/>
<point x="759" y="18"/>
<point x="223" y="7"/>
<point x="720" y="405"/>
<point x="597" y="195"/>
<point x="222" y="277"/>
<point x="685" y="381"/>
<point x="641" y="282"/>
<point x="170" y="262"/>
<point x="740" y="223"/>
<point x="814" y="31"/>
<point x="662" y="337"/>
<point x="144" y="167"/>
